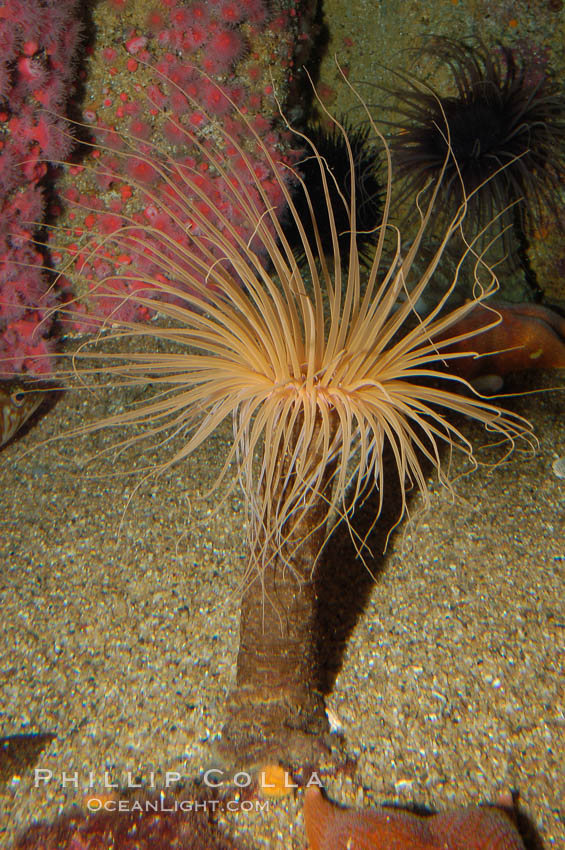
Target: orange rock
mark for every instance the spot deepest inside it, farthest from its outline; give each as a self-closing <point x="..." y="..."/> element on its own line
<point x="275" y="781"/>
<point x="329" y="827"/>
<point x="528" y="336"/>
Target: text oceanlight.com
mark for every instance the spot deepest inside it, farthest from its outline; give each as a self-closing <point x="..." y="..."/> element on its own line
<point x="162" y="804"/>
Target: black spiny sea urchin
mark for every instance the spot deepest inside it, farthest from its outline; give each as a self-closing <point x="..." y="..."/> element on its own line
<point x="505" y="128"/>
<point x="326" y="144"/>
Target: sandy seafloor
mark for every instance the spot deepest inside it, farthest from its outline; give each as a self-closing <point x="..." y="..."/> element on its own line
<point x="121" y="639"/>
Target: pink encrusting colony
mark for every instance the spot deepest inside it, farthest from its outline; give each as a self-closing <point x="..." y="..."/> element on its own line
<point x="38" y="43"/>
<point x="180" y="93"/>
<point x="183" y="68"/>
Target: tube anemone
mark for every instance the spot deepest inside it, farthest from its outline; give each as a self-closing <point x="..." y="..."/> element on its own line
<point x="504" y="128"/>
<point x="318" y="368"/>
